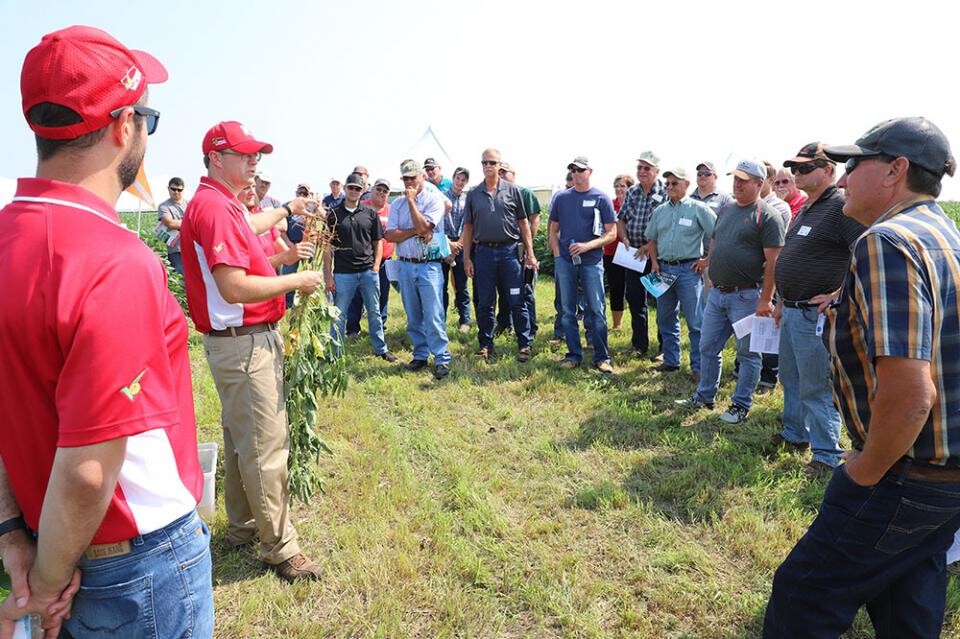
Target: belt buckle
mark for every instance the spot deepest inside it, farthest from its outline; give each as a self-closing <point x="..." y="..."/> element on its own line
<point x="106" y="551"/>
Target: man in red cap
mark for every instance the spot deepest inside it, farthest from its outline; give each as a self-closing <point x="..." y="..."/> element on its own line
<point x="99" y="446"/>
<point x="236" y="299"/>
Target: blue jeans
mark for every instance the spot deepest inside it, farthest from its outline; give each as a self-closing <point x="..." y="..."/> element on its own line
<point x="883" y="547"/>
<point x="368" y="283"/>
<point x="529" y="300"/>
<point x="162" y="588"/>
<point x="683" y="295"/>
<point x="356" y="305"/>
<point x="421" y="287"/>
<point x="723" y="309"/>
<point x="286" y="269"/>
<point x="595" y="307"/>
<point x="493" y="267"/>
<point x="461" y="294"/>
<point x="176" y="261"/>
<point x="808" y="410"/>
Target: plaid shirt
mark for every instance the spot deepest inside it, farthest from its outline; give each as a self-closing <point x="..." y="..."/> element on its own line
<point x="637" y="208"/>
<point x="899" y="299"/>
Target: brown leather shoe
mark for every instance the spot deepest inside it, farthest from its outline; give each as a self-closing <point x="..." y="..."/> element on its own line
<point x="297" y="567"/>
<point x="524" y="355"/>
<point x="483" y="353"/>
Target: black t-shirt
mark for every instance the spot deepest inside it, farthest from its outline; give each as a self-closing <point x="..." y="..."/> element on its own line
<point x="816" y="253"/>
<point x="355" y="235"/>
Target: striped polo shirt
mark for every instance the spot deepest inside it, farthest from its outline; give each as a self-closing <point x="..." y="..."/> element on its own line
<point x="899" y="299"/>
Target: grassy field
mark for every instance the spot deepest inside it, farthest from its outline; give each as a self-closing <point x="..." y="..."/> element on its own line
<point x="523" y="501"/>
<point x="515" y="501"/>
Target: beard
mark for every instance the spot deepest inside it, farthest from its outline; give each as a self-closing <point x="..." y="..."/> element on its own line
<point x="130" y="164"/>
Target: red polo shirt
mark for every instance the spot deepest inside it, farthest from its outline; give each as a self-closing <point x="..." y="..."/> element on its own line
<point x="94" y="348"/>
<point x="215" y="231"/>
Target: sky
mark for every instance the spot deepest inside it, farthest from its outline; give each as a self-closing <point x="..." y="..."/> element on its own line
<point x="335" y="84"/>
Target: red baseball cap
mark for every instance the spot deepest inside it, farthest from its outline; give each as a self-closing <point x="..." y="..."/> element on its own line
<point x="233" y="136"/>
<point x="86" y="70"/>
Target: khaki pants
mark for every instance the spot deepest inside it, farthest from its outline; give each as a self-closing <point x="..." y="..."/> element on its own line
<point x="248" y="372"/>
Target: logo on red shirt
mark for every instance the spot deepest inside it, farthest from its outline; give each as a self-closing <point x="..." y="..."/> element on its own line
<point x="133" y="389"/>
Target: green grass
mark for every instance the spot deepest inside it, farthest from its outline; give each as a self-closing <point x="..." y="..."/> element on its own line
<point x="524" y="501"/>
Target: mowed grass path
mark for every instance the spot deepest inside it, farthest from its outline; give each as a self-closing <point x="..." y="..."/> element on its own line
<point x="523" y="501"/>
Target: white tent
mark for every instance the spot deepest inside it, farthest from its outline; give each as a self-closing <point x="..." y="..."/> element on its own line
<point x="427" y="146"/>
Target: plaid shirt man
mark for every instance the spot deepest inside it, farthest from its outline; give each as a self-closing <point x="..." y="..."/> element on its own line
<point x="638" y="207"/>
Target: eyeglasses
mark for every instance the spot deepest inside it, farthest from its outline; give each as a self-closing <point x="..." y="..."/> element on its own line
<point x="673" y="183"/>
<point x="489" y="162"/>
<point x="175" y="189"/>
<point x="781" y="182"/>
<point x="577" y="169"/>
<point x="644" y="167"/>
<point x="152" y="115"/>
<point x="352" y="187"/>
<point x="704" y="173"/>
<point x="381" y="189"/>
<point x="246" y="156"/>
<point x="408" y="178"/>
<point x="804" y="169"/>
<point x="302" y="193"/>
<point x="429" y="169"/>
<point x="853" y="163"/>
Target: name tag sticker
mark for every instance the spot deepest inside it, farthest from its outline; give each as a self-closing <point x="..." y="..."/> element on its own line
<point x="514" y="291"/>
<point x="657" y="198"/>
<point x="685" y="222"/>
<point x="589" y="203"/>
<point x="820" y="321"/>
<point x="804" y="230"/>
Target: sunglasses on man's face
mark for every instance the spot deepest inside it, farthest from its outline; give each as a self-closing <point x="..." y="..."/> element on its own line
<point x="804" y="169"/>
<point x="489" y="162"/>
<point x="152" y="115"/>
<point x="176" y="189"/>
<point x="354" y="188"/>
<point x="577" y="169"/>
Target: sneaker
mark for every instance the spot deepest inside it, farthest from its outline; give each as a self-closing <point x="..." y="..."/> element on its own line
<point x="524" y="355"/>
<point x="387" y="356"/>
<point x="296" y="568"/>
<point x="604" y="367"/>
<point x="416" y="365"/>
<point x="778" y="441"/>
<point x="666" y="368"/>
<point x="817" y="470"/>
<point x="657" y="358"/>
<point x="484" y="353"/>
<point x="556" y="341"/>
<point x="464" y="328"/>
<point x="694" y="403"/>
<point x="441" y="371"/>
<point x="568" y="364"/>
<point x="735" y="414"/>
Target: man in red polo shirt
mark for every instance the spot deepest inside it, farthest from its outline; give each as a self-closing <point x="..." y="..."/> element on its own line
<point x="98" y="440"/>
<point x="236" y="299"/>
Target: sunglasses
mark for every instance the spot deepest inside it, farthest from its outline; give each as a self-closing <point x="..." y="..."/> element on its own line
<point x="489" y="162"/>
<point x="175" y="189"/>
<point x="577" y="169"/>
<point x="804" y="169"/>
<point x="246" y="156"/>
<point x="354" y="188"/>
<point x="853" y="163"/>
<point x="152" y="115"/>
<point x="704" y="173"/>
<point x="381" y="189"/>
<point x="673" y="183"/>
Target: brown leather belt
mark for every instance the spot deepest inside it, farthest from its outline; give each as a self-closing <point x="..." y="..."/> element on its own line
<point x="497" y="244"/>
<point x="904" y="468"/>
<point x="734" y="289"/>
<point x="250" y="329"/>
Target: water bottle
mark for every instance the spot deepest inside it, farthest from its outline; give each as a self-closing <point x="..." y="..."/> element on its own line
<point x="573" y="258"/>
<point x="28" y="627"/>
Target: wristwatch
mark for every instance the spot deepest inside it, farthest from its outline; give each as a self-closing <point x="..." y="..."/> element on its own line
<point x="14" y="523"/>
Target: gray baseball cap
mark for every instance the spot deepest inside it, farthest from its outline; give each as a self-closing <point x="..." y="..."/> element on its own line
<point x="581" y="162"/>
<point x="917" y="139"/>
<point x="650" y="158"/>
<point x="750" y="169"/>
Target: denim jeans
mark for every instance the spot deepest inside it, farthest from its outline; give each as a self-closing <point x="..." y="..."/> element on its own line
<point x="493" y="267"/>
<point x="595" y="307"/>
<point x="723" y="309"/>
<point x="356" y="305"/>
<point x="368" y="283"/>
<point x="162" y="588"/>
<point x="881" y="546"/>
<point x="461" y="297"/>
<point x="683" y="295"/>
<point x="503" y="303"/>
<point x="421" y="291"/>
<point x="286" y="269"/>
<point x="808" y="410"/>
<point x="176" y="261"/>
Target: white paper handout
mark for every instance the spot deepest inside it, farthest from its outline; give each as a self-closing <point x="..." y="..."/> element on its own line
<point x="765" y="337"/>
<point x="625" y="257"/>
<point x="743" y="326"/>
<point x="393" y="269"/>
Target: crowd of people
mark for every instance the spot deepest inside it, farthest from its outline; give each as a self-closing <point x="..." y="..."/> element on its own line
<point x="100" y="477"/>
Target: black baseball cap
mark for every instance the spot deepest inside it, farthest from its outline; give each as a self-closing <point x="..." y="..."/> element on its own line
<point x="429" y="163"/>
<point x="917" y="139"/>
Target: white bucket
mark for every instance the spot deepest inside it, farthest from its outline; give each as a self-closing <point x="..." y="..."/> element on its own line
<point x="208" y="464"/>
